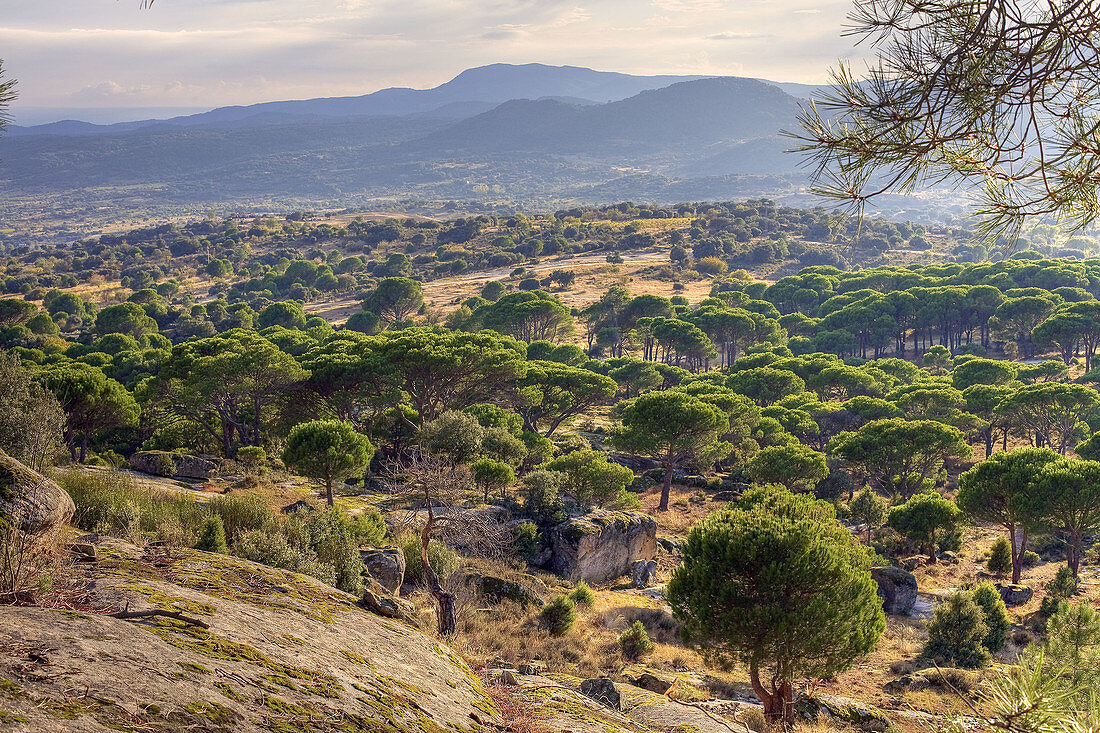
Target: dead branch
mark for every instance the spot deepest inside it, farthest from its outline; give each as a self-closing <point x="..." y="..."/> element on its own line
<point x="127" y="615"/>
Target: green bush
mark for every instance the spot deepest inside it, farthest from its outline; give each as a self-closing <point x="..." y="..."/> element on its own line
<point x="333" y="539"/>
<point x="526" y="540"/>
<point x="442" y="559"/>
<point x="323" y="544"/>
<point x="583" y="594"/>
<point x="1000" y="557"/>
<point x="957" y="633"/>
<point x="370" y="528"/>
<point x="1030" y="559"/>
<point x="544" y="502"/>
<point x="273" y="549"/>
<point x="634" y="642"/>
<point x="252" y="457"/>
<point x="989" y="600"/>
<point x="1061" y="587"/>
<point x="212" y="535"/>
<point x="559" y="615"/>
<point x="241" y="514"/>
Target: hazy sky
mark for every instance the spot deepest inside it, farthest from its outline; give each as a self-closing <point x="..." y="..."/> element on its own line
<point x="204" y="53"/>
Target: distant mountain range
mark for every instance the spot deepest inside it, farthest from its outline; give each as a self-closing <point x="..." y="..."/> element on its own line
<point x="471" y="92"/>
<point x="512" y="134"/>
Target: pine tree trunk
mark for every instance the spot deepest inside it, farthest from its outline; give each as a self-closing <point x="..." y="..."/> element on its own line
<point x="666" y="487"/>
<point x="1017" y="555"/>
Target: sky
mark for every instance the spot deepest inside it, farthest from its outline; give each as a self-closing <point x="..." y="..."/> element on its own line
<point x="207" y="53"/>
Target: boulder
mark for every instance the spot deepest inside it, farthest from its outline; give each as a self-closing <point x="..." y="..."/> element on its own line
<point x="907" y="683"/>
<point x="502" y="589"/>
<point x="843" y="709"/>
<point x="644" y="573"/>
<point x="1015" y="595"/>
<point x="668" y="545"/>
<point x="30" y="501"/>
<point x="530" y="668"/>
<point x="602" y="690"/>
<point x="648" y="679"/>
<point x="914" y="562"/>
<point x="172" y="465"/>
<point x="897" y="588"/>
<point x="602" y="545"/>
<point x="299" y="506"/>
<point x="386" y="565"/>
<point x="380" y="603"/>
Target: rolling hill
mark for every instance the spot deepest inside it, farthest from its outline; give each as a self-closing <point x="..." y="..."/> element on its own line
<point x="532" y="136"/>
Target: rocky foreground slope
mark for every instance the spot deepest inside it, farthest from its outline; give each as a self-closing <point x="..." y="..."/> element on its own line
<point x="260" y="650"/>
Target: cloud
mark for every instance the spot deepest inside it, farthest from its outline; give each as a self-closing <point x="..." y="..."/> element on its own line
<point x="688" y="6"/>
<point x="737" y="36"/>
<point x="109" y="91"/>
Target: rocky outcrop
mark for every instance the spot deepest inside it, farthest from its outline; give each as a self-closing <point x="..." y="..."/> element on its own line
<point x="644" y="573"/>
<point x="280" y="652"/>
<point x="496" y="589"/>
<point x="380" y="603"/>
<point x="603" y="691"/>
<point x="897" y="588"/>
<point x="844" y="710"/>
<point x="649" y="679"/>
<point x="386" y="565"/>
<point x="30" y="501"/>
<point x="1015" y="595"/>
<point x="602" y="545"/>
<point x="558" y="703"/>
<point x="172" y="465"/>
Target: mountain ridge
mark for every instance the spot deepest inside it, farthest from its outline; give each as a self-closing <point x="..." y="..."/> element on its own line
<point x="493" y="83"/>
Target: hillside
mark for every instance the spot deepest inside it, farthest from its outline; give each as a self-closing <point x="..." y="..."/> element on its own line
<point x="282" y="653"/>
<point x="533" y="137"/>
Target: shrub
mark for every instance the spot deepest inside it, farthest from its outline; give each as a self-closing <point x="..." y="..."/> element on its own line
<point x="526" y="540"/>
<point x="241" y="514"/>
<point x="1000" y="557"/>
<point x="949" y="678"/>
<point x="1030" y="559"/>
<point x="634" y="642"/>
<point x="333" y="538"/>
<point x="442" y="559"/>
<point x="989" y="600"/>
<point x="212" y="535"/>
<point x="543" y="496"/>
<point x="369" y="527"/>
<point x="112" y="503"/>
<point x="1061" y="587"/>
<point x="252" y="457"/>
<point x="559" y="615"/>
<point x="593" y="480"/>
<point x="27" y="562"/>
<point x="957" y="632"/>
<point x="272" y="548"/>
<point x="583" y="594"/>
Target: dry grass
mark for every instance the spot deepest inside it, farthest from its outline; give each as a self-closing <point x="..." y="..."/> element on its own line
<point x="517" y="713"/>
